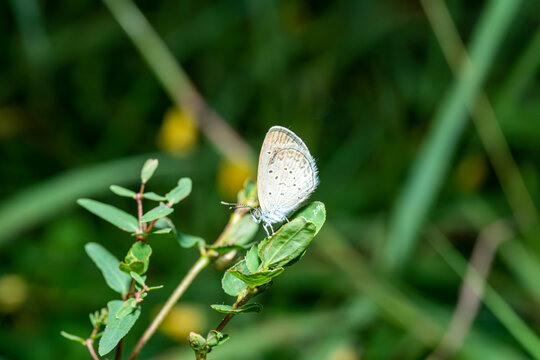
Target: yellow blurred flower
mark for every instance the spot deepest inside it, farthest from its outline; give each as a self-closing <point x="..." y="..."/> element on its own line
<point x="183" y="319"/>
<point x="231" y="177"/>
<point x="471" y="172"/>
<point x="13" y="292"/>
<point x="178" y="133"/>
<point x="344" y="352"/>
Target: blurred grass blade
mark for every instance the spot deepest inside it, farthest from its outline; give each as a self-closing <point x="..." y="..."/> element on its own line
<point x="498" y="306"/>
<point x="177" y="83"/>
<point x="431" y="165"/>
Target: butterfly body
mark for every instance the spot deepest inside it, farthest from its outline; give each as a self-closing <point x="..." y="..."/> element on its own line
<point x="286" y="177"/>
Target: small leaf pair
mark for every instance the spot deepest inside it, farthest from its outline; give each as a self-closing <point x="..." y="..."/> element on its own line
<point x="202" y="346"/>
<point x="137" y="258"/>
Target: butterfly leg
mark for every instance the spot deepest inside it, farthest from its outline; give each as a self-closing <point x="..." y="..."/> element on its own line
<point x="265" y="227"/>
<point x="271" y="228"/>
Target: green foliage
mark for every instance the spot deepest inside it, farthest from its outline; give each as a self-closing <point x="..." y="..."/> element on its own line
<point x="108" y="264"/>
<point x="137" y="259"/>
<point x="115" y="216"/>
<point x="216" y="338"/>
<point x="202" y="346"/>
<point x="72" y="337"/>
<point x="153" y="196"/>
<point x="410" y="109"/>
<point x="122" y="191"/>
<point x="226" y="248"/>
<point x="148" y="170"/>
<point x="292" y="239"/>
<point x="226" y="309"/>
<point x="252" y="259"/>
<point x="157" y="213"/>
<point x="231" y="284"/>
<point x="314" y="212"/>
<point x="138" y="279"/>
<point x="264" y="262"/>
<point x="257" y="278"/>
<point x="98" y="318"/>
<point x="116" y="328"/>
<point x="180" y="192"/>
<point x="243" y="232"/>
<point x="188" y="241"/>
<point x="287" y="243"/>
<point x="128" y="307"/>
<point x="197" y="342"/>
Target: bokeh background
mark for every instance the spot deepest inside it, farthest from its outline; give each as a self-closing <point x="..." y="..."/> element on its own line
<point x="423" y="117"/>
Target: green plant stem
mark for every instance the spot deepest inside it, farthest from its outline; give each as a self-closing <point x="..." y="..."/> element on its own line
<point x="239" y="302"/>
<point x="203" y="261"/>
<point x="139" y="198"/>
<point x="90" y="343"/>
<point x="118" y="355"/>
<point x="236" y="305"/>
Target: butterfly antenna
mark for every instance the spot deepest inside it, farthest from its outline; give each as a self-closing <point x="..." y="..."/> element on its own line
<point x="236" y="206"/>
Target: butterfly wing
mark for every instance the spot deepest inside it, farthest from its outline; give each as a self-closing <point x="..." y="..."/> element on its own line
<point x="287" y="173"/>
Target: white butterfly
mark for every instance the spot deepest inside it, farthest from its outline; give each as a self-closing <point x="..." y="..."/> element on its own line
<point x="286" y="177"/>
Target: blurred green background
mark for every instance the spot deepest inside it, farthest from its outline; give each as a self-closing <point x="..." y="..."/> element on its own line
<point x="380" y="91"/>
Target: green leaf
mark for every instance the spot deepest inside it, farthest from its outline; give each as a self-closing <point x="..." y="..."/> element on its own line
<point x="137" y="259"/>
<point x="258" y="278"/>
<point x="216" y="338"/>
<point x="187" y="241"/>
<point x="72" y="337"/>
<point x="116" y="329"/>
<point x="108" y="264"/>
<point x="180" y="192"/>
<point x="156" y="213"/>
<point x="153" y="196"/>
<point x="226" y="248"/>
<point x="196" y="341"/>
<point x="243" y="232"/>
<point x="148" y="169"/>
<point x="127" y="308"/>
<point x="98" y="318"/>
<point x="122" y="191"/>
<point x="162" y="231"/>
<point x="137" y="278"/>
<point x="314" y="212"/>
<point x="226" y="309"/>
<point x="232" y="285"/>
<point x="252" y="259"/>
<point x="287" y="243"/>
<point x="109" y="213"/>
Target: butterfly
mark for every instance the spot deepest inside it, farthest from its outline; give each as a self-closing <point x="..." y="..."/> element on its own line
<point x="286" y="177"/>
